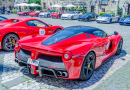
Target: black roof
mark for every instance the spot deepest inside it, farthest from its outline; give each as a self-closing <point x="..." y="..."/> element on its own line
<point x="85" y="29"/>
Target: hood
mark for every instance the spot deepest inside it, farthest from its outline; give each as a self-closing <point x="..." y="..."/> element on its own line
<point x="125" y="19"/>
<point x="20" y="12"/>
<point x="83" y="16"/>
<point x="103" y="18"/>
<point x="66" y="15"/>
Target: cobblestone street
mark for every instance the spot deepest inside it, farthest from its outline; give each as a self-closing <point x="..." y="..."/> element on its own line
<point x="114" y="74"/>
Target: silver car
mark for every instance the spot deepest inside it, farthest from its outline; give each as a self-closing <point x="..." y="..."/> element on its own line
<point x="71" y="15"/>
<point x="107" y="18"/>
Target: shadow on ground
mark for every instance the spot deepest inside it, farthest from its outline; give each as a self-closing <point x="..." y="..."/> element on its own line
<point x="76" y="84"/>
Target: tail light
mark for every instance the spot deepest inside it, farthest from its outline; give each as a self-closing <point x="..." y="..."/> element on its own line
<point x="67" y="55"/>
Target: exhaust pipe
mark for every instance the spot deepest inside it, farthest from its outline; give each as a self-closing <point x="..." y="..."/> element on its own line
<point x="64" y="74"/>
<point x="59" y="73"/>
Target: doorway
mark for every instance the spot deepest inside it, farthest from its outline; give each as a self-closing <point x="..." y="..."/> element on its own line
<point x="92" y="8"/>
<point x="128" y="8"/>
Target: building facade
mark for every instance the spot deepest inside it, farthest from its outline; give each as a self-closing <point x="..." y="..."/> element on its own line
<point x="20" y="1"/>
<point x="97" y="6"/>
<point x="6" y="3"/>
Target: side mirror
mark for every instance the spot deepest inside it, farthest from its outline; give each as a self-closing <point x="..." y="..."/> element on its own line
<point x="116" y="33"/>
<point x="49" y="24"/>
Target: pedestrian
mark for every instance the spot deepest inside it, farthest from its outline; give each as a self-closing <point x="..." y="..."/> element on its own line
<point x="59" y="13"/>
<point x="8" y="10"/>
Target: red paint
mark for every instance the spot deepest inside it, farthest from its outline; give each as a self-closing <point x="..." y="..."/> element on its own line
<point x="79" y="46"/>
<point x="22" y="29"/>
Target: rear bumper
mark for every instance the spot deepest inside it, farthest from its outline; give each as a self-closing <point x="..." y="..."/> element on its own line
<point x="71" y="68"/>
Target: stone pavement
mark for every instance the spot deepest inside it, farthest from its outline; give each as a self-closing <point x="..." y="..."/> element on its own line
<point x="105" y="77"/>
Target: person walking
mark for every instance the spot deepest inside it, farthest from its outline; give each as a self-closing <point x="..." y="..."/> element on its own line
<point x="59" y="13"/>
<point x="8" y="10"/>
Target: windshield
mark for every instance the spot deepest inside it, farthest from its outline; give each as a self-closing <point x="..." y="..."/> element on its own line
<point x="62" y="35"/>
<point x="88" y="14"/>
<point x="127" y="16"/>
<point x="37" y="11"/>
<point x="70" y="12"/>
<point x="106" y="15"/>
<point x="27" y="10"/>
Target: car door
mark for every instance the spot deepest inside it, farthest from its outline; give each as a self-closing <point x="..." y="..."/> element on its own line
<point x="38" y="27"/>
<point x="103" y="40"/>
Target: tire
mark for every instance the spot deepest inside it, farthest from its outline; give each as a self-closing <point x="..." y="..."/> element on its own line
<point x="25" y="14"/>
<point x="88" y="67"/>
<point x="57" y="30"/>
<point x="119" y="48"/>
<point x="88" y="19"/>
<point x="72" y="17"/>
<point x="110" y="21"/>
<point x="8" y="42"/>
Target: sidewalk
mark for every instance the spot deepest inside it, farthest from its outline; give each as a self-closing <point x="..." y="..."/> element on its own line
<point x="120" y="80"/>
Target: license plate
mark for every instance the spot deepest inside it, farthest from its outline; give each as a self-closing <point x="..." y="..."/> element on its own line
<point x="33" y="62"/>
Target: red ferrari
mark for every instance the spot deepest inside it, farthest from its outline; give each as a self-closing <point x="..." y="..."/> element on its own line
<point x="72" y="53"/>
<point x="56" y="15"/>
<point x="25" y="13"/>
<point x="14" y="29"/>
<point x="36" y="13"/>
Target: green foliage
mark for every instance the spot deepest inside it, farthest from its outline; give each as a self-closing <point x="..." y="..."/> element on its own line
<point x="126" y="15"/>
<point x="35" y="1"/>
<point x="78" y="8"/>
<point x="44" y="10"/>
<point x="83" y="12"/>
<point x="105" y="13"/>
<point x="68" y="9"/>
<point x="14" y="11"/>
<point x="25" y="9"/>
<point x="120" y="11"/>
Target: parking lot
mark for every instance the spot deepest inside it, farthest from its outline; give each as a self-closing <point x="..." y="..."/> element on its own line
<point x="113" y="74"/>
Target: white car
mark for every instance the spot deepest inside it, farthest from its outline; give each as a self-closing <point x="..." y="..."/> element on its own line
<point x="107" y="18"/>
<point x="46" y="14"/>
<point x="70" y="15"/>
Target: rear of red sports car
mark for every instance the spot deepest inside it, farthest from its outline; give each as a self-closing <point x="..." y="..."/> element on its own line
<point x="65" y="55"/>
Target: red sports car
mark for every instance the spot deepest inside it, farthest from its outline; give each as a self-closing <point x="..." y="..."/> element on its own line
<point x="56" y="15"/>
<point x="25" y="13"/>
<point x="72" y="53"/>
<point x="36" y="13"/>
<point x="13" y="29"/>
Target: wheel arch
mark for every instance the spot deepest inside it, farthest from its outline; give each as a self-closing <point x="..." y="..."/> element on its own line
<point x="8" y="34"/>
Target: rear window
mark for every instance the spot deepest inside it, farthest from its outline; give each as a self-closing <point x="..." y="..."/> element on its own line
<point x="15" y="20"/>
<point x="62" y="35"/>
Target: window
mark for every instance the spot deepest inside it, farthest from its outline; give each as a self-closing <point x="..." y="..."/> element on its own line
<point x="100" y="33"/>
<point x="36" y="23"/>
<point x="62" y="35"/>
<point x="103" y="9"/>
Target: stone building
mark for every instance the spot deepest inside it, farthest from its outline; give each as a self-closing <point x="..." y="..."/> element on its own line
<point x="6" y="3"/>
<point x="20" y="1"/>
<point x="97" y="6"/>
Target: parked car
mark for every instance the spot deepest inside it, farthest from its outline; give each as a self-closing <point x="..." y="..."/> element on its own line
<point x="87" y="17"/>
<point x="2" y="18"/>
<point x="56" y="15"/>
<point x="46" y="14"/>
<point x="72" y="53"/>
<point x="107" y="18"/>
<point x="24" y="13"/>
<point x="125" y="21"/>
<point x="14" y="29"/>
<point x="35" y="13"/>
<point x="70" y="15"/>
